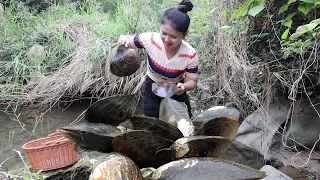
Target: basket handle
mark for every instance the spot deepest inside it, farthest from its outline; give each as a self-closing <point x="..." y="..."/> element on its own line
<point x="56" y="142"/>
<point x="54" y="134"/>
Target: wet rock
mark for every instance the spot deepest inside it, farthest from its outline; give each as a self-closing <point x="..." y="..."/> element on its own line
<point x="267" y="132"/>
<point x="242" y="154"/>
<point x="294" y="173"/>
<point x="261" y="129"/>
<point x="304" y="128"/>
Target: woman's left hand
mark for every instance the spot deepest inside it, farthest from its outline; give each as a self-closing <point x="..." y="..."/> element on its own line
<point x="181" y="89"/>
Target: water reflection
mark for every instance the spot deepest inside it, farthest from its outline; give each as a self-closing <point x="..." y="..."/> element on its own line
<point x="28" y="124"/>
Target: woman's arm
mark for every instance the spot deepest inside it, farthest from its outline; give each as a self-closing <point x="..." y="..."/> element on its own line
<point x="189" y="84"/>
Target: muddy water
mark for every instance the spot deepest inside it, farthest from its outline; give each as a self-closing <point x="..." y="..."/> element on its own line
<point x="31" y="125"/>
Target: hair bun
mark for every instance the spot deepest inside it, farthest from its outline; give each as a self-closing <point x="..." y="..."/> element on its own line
<point x="185" y="6"/>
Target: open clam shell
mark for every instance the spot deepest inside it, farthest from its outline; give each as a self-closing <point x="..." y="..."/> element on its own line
<point x="94" y="136"/>
<point x="114" y="167"/>
<point x="222" y="126"/>
<point x="206" y="168"/>
<point x="215" y="112"/>
<point x="140" y="146"/>
<point x="112" y="110"/>
<point x="155" y="126"/>
<point x="125" y="62"/>
<point x="200" y="146"/>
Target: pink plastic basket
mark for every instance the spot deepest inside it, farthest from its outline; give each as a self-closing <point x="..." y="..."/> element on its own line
<point x="51" y="152"/>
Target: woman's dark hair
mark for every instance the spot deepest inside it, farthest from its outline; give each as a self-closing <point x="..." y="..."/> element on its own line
<point x="177" y="17"/>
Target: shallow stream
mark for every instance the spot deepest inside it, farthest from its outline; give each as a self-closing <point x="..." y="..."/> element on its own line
<point x="22" y="126"/>
<point x="32" y="126"/>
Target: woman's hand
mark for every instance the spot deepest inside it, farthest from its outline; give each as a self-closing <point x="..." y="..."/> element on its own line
<point x="181" y="88"/>
<point x="124" y="39"/>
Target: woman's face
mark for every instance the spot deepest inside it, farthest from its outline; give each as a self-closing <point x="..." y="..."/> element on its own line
<point x="170" y="37"/>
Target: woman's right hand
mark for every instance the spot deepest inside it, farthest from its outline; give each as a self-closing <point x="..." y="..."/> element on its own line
<point x="124" y="39"/>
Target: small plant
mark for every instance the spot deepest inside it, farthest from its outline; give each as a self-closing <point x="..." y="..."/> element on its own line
<point x="299" y="42"/>
<point x="34" y="175"/>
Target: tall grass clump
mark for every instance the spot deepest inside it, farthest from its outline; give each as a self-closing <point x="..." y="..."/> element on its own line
<point x="64" y="52"/>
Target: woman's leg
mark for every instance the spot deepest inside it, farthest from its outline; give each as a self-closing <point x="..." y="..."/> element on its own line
<point x="151" y="102"/>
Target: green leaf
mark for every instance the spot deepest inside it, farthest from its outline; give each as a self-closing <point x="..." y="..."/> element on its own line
<point x="307" y="43"/>
<point x="310" y="26"/>
<point x="302" y="30"/>
<point x="241" y="11"/>
<point x="287" y="23"/>
<point x="291" y="15"/>
<point x="245" y="28"/>
<point x="285" y="34"/>
<point x="235" y="14"/>
<point x="224" y="13"/>
<point x="305" y="8"/>
<point x="244" y="9"/>
<point x="297" y="50"/>
<point x="316" y="21"/>
<point x="309" y="1"/>
<point x="286" y="52"/>
<point x="256" y="10"/>
<point x="286" y="6"/>
<point x="226" y="28"/>
<point x="283" y="8"/>
<point x="291" y="1"/>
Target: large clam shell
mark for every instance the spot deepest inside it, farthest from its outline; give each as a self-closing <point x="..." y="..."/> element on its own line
<point x="140" y="146"/>
<point x="200" y="146"/>
<point x="215" y="112"/>
<point x="116" y="167"/>
<point x="125" y="62"/>
<point x="154" y="126"/>
<point x="112" y="110"/>
<point x="205" y="169"/>
<point x="221" y="126"/>
<point x="94" y="136"/>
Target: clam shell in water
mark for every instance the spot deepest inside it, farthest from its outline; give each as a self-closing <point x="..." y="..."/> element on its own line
<point x="94" y="136"/>
<point x="204" y="169"/>
<point x="112" y="110"/>
<point x="140" y="146"/>
<point x="116" y="167"/>
<point x="125" y="62"/>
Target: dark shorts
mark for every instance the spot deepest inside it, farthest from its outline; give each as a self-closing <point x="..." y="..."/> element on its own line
<point x="151" y="102"/>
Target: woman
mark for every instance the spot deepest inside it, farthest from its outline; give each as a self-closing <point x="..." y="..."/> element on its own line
<point x="170" y="58"/>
